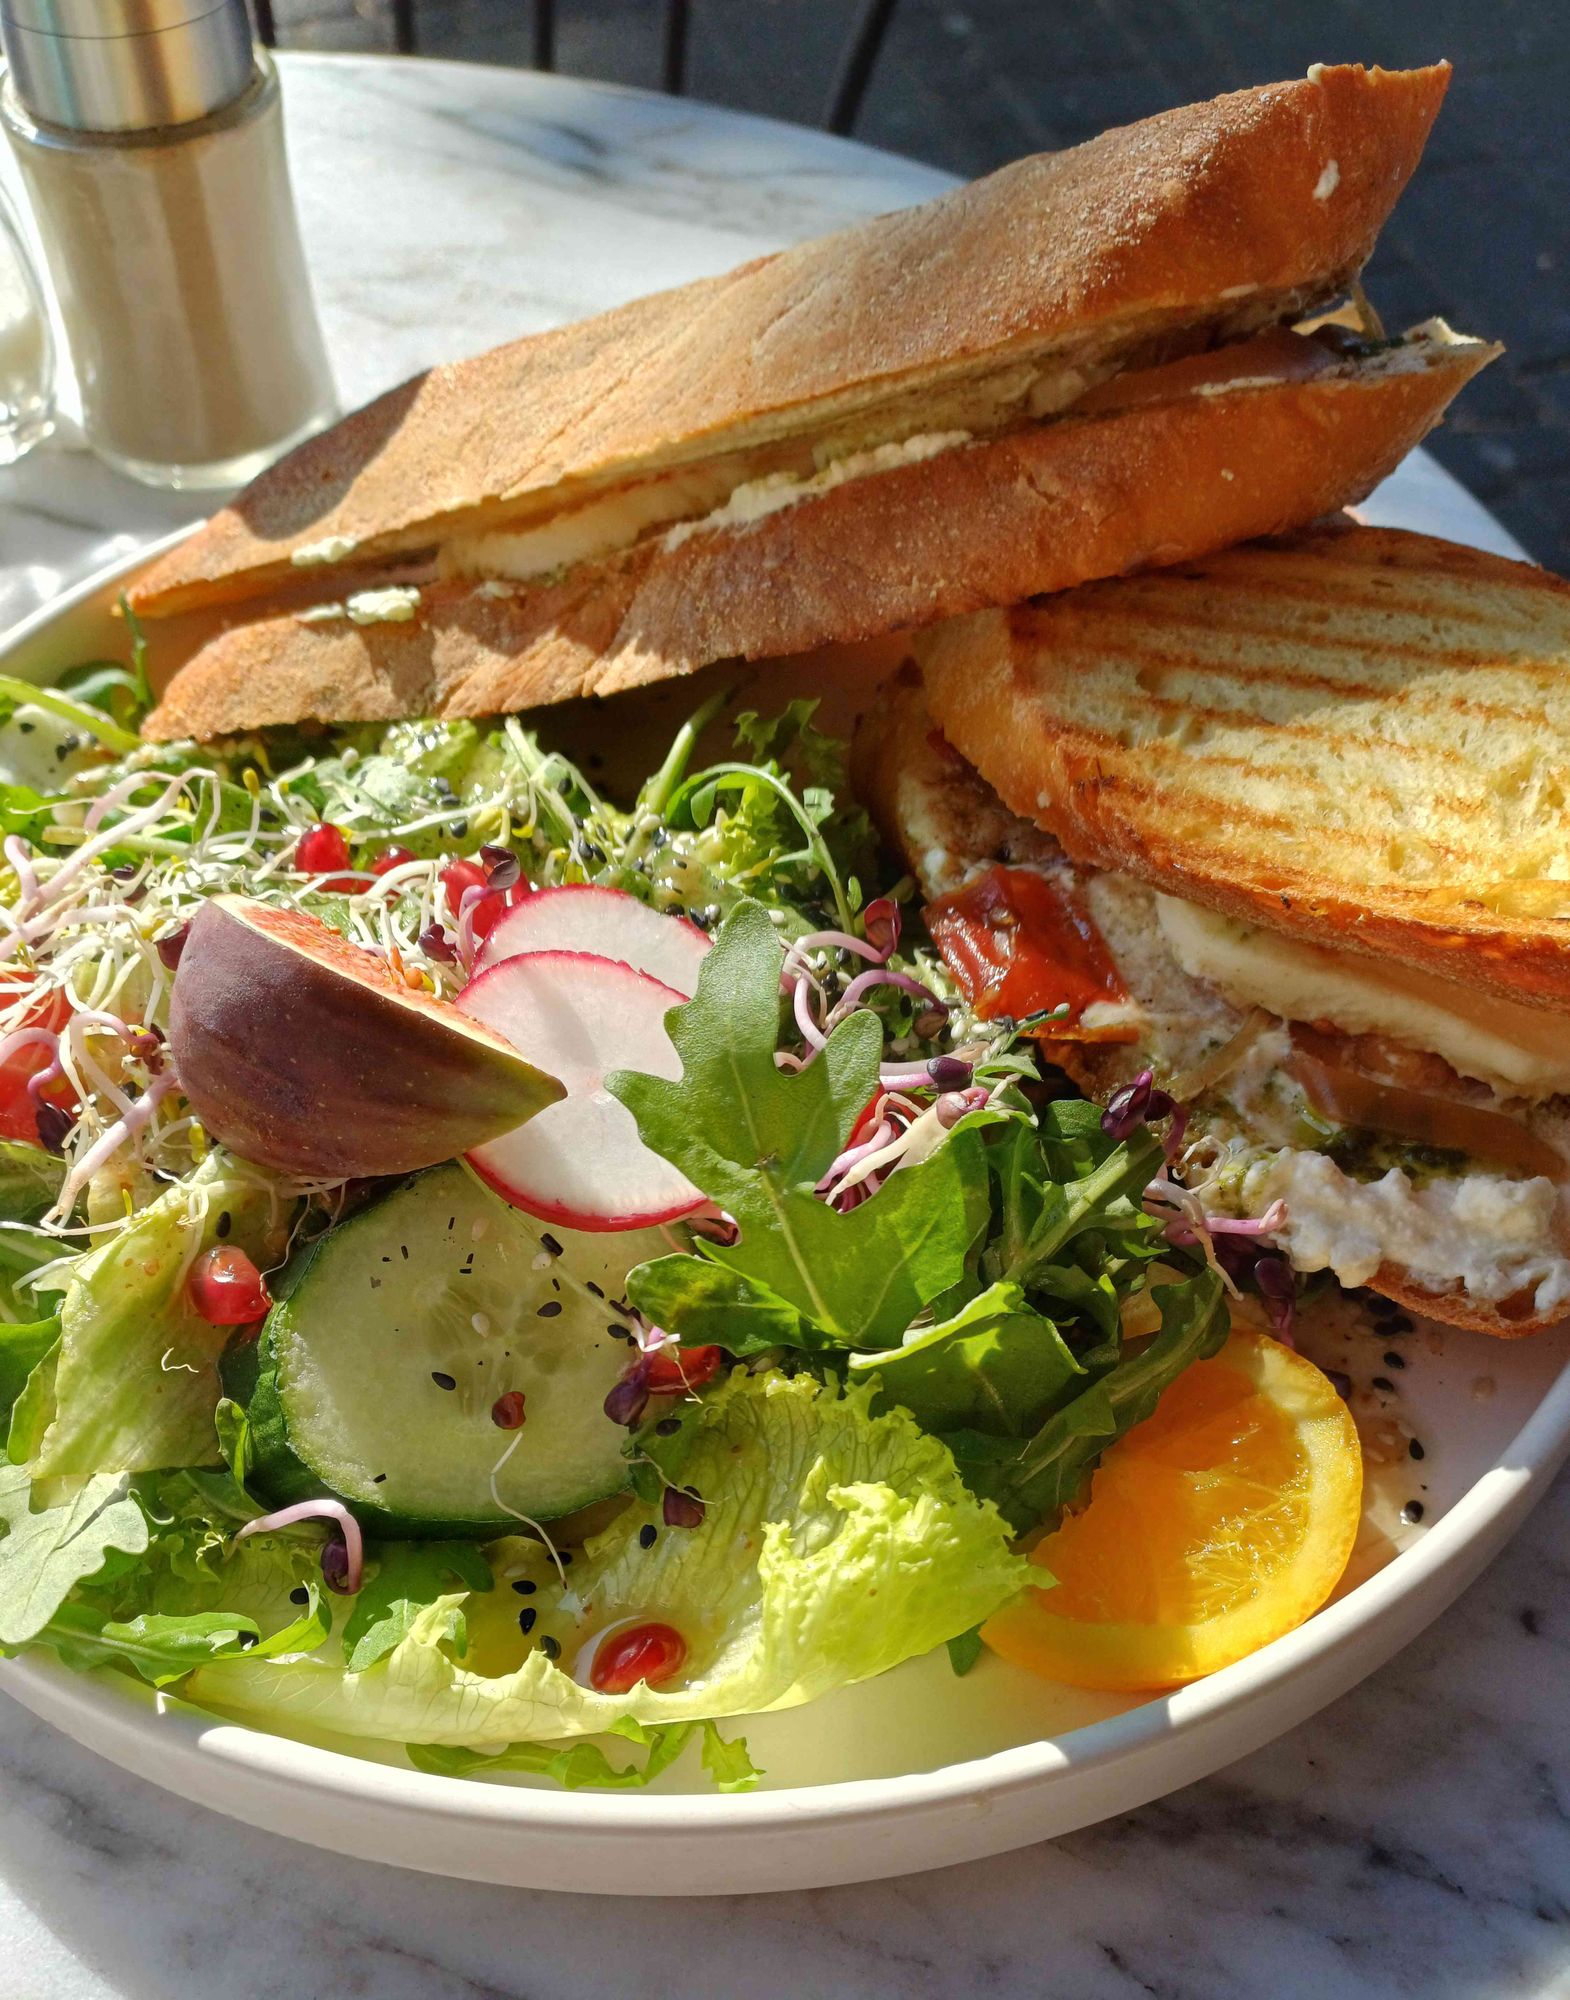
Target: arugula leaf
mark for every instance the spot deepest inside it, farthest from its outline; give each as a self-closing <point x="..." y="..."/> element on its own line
<point x="163" y="1647"/>
<point x="584" y="1764"/>
<point x="997" y="1366"/>
<point x="409" y="1577"/>
<point x="756" y="1140"/>
<point x="1034" y="1482"/>
<point x="965" y="1650"/>
<point x="45" y="1554"/>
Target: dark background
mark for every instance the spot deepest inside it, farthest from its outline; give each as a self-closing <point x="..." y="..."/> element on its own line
<point x="1482" y="236"/>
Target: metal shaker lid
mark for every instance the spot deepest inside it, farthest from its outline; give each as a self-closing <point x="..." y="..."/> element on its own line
<point x="126" y="65"/>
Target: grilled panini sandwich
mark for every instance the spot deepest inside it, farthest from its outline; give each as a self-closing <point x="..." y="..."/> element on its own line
<point x="1091" y="362"/>
<point x="1289" y="826"/>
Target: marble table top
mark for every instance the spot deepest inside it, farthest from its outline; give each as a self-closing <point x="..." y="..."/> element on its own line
<point x="1414" y="1840"/>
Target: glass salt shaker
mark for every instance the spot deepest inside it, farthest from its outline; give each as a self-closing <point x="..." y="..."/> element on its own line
<point x="150" y="139"/>
<point x="27" y="359"/>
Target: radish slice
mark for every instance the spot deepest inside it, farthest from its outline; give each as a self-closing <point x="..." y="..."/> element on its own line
<point x="608" y="922"/>
<point x="580" y="1162"/>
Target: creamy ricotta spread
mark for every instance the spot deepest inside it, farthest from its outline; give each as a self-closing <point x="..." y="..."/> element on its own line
<point x="1490" y="1236"/>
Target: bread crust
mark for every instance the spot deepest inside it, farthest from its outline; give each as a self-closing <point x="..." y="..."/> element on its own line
<point x="990" y="682"/>
<point x="984" y="524"/>
<point x="1225" y="214"/>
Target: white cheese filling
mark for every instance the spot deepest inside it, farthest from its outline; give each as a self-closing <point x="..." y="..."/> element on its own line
<point x="1519" y="1051"/>
<point x="1478" y="1232"/>
<point x="779" y="490"/>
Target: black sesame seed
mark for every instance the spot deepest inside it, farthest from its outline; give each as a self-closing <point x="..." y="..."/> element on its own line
<point x="460" y="829"/>
<point x="648" y="1535"/>
<point x="595" y="1290"/>
<point x="1340" y="1382"/>
<point x="550" y="1647"/>
<point x="525" y="1586"/>
<point x="1394" y="1360"/>
<point x="617" y="1331"/>
<point x="403" y="1252"/>
<point x="223" y="1225"/>
<point x="1531" y="1624"/>
<point x="549" y="1310"/>
<point x="299" y="1595"/>
<point x="526" y="1618"/>
<point x="667" y="1427"/>
<point x="442" y="1380"/>
<point x="1412" y="1512"/>
<point x="1416" y="1449"/>
<point x="1383" y="1382"/>
<point x="564" y="1557"/>
<point x="551" y="1244"/>
<point x="380" y="1479"/>
<point x="452" y="1224"/>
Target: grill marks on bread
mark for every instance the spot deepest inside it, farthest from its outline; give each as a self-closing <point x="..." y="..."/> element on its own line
<point x="1356" y="734"/>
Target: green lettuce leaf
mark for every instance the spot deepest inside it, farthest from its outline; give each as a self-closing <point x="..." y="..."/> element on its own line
<point x="583" y="1764"/>
<point x="23" y="1345"/>
<point x="756" y="1140"/>
<point x="29" y="1181"/>
<point x="835" y="1544"/>
<point x="136" y="1382"/>
<point x="46" y="1553"/>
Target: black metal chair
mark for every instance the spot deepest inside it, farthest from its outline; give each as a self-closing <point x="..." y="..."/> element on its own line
<point x="849" y="87"/>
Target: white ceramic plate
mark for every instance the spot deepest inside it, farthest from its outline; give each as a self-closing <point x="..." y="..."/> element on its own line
<point x="917" y="1769"/>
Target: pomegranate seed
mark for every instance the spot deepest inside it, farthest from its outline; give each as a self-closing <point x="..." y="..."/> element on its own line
<point x="226" y="1288"/>
<point x="651" y="1653"/>
<point x="321" y="849"/>
<point x="507" y="1411"/>
<point x="486" y="910"/>
<point x="674" y="1369"/>
<point x="389" y="859"/>
<point x="485" y="914"/>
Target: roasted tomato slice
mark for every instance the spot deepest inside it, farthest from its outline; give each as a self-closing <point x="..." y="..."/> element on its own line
<point x="1020" y="942"/>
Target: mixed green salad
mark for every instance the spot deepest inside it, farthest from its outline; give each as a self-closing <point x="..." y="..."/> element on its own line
<point x="740" y="1364"/>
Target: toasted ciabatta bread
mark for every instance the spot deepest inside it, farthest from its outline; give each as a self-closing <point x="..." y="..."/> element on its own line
<point x="952" y="830"/>
<point x="996" y="304"/>
<point x="1208" y="454"/>
<point x="1357" y="736"/>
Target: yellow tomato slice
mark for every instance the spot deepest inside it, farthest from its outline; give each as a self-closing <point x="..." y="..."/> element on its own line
<point x="1221" y="1522"/>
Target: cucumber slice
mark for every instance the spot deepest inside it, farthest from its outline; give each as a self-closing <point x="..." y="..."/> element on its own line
<point x="374" y="1379"/>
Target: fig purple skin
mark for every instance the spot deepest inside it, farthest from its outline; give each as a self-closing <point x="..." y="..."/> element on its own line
<point x="300" y="1051"/>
